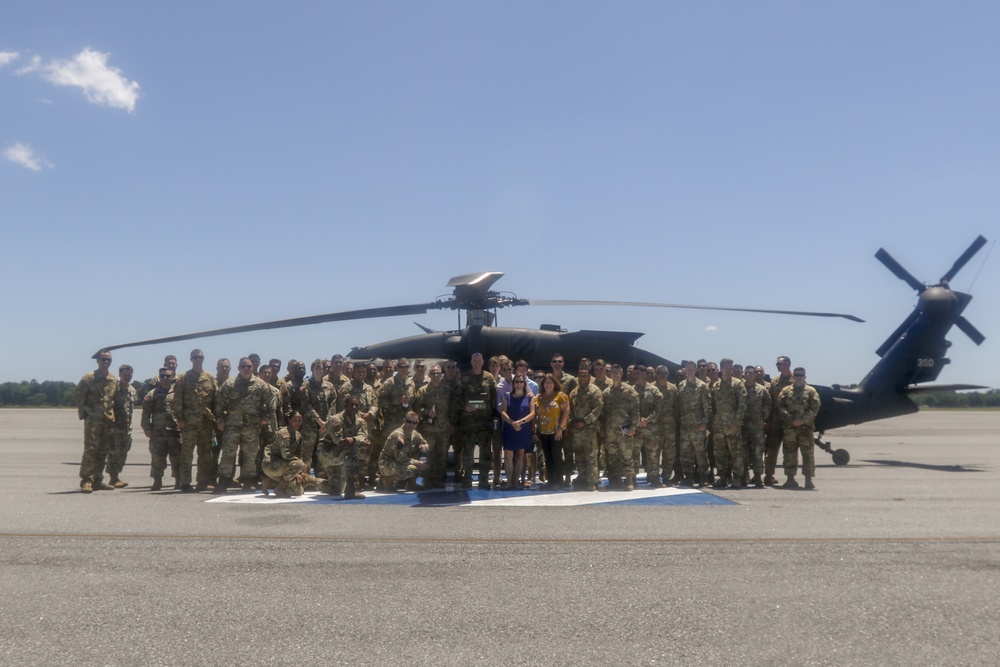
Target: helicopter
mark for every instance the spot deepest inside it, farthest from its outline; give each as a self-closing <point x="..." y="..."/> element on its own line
<point x="912" y="355"/>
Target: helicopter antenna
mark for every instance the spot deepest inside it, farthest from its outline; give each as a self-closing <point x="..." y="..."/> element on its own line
<point x="976" y="277"/>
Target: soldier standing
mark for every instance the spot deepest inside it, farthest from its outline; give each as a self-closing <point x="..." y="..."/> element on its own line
<point x="245" y="407"/>
<point x="122" y="429"/>
<point x="775" y="427"/>
<point x="647" y="432"/>
<point x="477" y="400"/>
<point x="192" y="406"/>
<point x="586" y="403"/>
<point x="95" y="405"/>
<point x="318" y="399"/>
<point x="668" y="423"/>
<point x="161" y="429"/>
<point x="798" y="406"/>
<point x="758" y="411"/>
<point x="394" y="398"/>
<point x="433" y="403"/>
<point x="620" y="416"/>
<point x="569" y="383"/>
<point x="729" y="402"/>
<point x="694" y="405"/>
<point x="345" y="436"/>
<point x="341" y="382"/>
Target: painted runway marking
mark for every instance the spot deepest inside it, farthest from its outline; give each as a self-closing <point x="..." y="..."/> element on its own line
<point x="452" y="497"/>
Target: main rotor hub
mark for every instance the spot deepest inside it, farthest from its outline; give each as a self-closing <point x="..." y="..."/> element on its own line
<point x="938" y="301"/>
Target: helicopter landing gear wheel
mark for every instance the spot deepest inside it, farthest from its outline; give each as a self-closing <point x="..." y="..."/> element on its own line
<point x="841" y="457"/>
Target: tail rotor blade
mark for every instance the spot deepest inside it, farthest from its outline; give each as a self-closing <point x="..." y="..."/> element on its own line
<point x="963" y="260"/>
<point x="898" y="270"/>
<point x="969" y="330"/>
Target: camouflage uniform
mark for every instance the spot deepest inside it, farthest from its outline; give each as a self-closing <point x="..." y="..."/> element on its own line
<point x="95" y="405"/>
<point x="799" y="403"/>
<point x="668" y="429"/>
<point x="435" y="430"/>
<point x="242" y="405"/>
<point x="165" y="441"/>
<point x="477" y="427"/>
<point x="391" y="413"/>
<point x="569" y="383"/>
<point x="369" y="405"/>
<point x="401" y="455"/>
<point x="729" y="403"/>
<point x="282" y="460"/>
<point x="192" y="402"/>
<point x="316" y="401"/>
<point x="694" y="405"/>
<point x="121" y="431"/>
<point x="758" y="411"/>
<point x="648" y="437"/>
<point x="775" y="431"/>
<point x="337" y="460"/>
<point x="342" y="387"/>
<point x="585" y="407"/>
<point x="621" y="412"/>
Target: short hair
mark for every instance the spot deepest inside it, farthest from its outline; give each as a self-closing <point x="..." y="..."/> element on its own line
<point x="125" y="367"/>
<point x="169" y="356"/>
<point x="725" y="361"/>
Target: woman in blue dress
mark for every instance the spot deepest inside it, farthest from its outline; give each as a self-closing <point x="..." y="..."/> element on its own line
<point x="517" y="411"/>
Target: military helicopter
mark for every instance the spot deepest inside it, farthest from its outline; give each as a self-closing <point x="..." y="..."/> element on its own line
<point x="913" y="354"/>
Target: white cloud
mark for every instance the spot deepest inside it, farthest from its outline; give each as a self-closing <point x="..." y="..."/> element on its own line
<point x="711" y="327"/>
<point x="7" y="57"/>
<point x="89" y="71"/>
<point x="33" y="65"/>
<point x="24" y="155"/>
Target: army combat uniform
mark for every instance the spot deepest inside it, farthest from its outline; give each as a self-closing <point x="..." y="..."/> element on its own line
<point x="776" y="429"/>
<point x="164" y="436"/>
<point x="401" y="457"/>
<point x="192" y="403"/>
<point x="585" y="407"/>
<point x="758" y="411"/>
<point x="620" y="414"/>
<point x="243" y="405"/>
<point x="694" y="405"/>
<point x="317" y="401"/>
<point x="337" y="453"/>
<point x="282" y="462"/>
<point x="729" y="402"/>
<point x="121" y="433"/>
<point x="799" y="403"/>
<point x="480" y="392"/>
<point x="668" y="430"/>
<point x="436" y="429"/>
<point x="95" y="405"/>
<point x="647" y="438"/>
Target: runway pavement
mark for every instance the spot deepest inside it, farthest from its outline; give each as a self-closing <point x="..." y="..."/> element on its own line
<point x="894" y="560"/>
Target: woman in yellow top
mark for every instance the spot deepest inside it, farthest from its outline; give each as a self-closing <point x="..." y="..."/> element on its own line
<point x="551" y="416"/>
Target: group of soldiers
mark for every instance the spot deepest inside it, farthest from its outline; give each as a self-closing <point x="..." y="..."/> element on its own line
<point x="351" y="425"/>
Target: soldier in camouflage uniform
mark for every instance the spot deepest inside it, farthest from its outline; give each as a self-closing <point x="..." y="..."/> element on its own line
<point x="345" y="436"/>
<point x="620" y="416"/>
<point x="404" y="455"/>
<point x="246" y="405"/>
<point x="452" y="380"/>
<point x="694" y="405"/>
<point x="774" y="427"/>
<point x="95" y="405"/>
<point x="586" y="403"/>
<point x="729" y="403"/>
<point x="341" y="382"/>
<point x="668" y="423"/>
<point x="394" y="399"/>
<point x="433" y="403"/>
<point x="798" y="406"/>
<point x="647" y="432"/>
<point x="161" y="429"/>
<point x="758" y="411"/>
<point x="599" y="373"/>
<point x="122" y="430"/>
<point x="368" y="400"/>
<point x="192" y="406"/>
<point x="282" y="465"/>
<point x="290" y="391"/>
<point x="477" y="393"/>
<point x="318" y="400"/>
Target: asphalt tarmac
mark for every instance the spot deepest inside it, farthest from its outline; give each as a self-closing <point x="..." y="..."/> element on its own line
<point x="893" y="560"/>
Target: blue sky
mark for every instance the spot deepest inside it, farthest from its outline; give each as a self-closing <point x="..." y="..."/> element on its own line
<point x="178" y="167"/>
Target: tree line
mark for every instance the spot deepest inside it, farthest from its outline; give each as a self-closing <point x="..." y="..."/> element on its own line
<point x="56" y="394"/>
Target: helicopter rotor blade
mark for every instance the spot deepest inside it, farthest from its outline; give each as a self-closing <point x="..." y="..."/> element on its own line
<point x="898" y="270"/>
<point x="366" y="313"/>
<point x="963" y="260"/>
<point x="642" y="304"/>
<point x="969" y="330"/>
